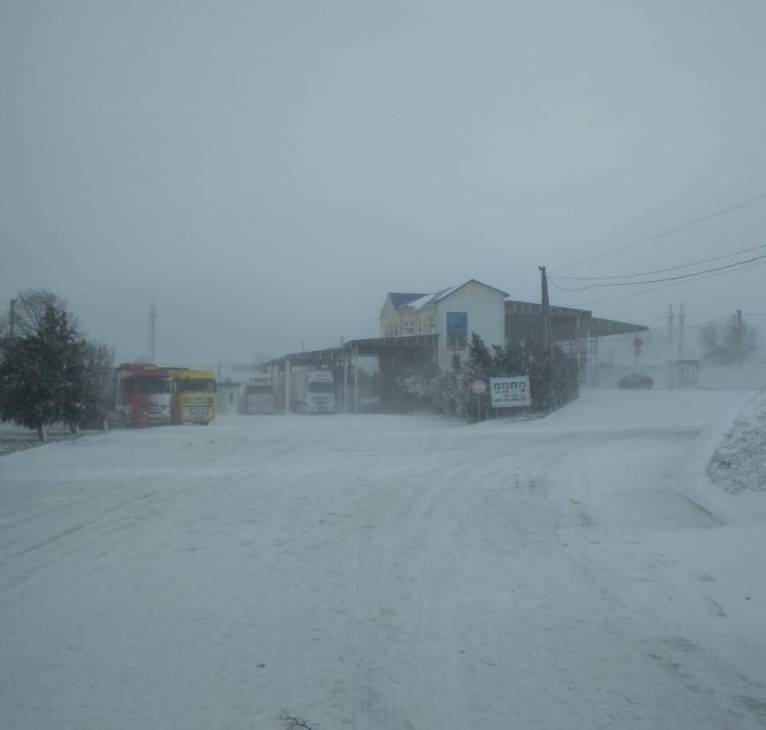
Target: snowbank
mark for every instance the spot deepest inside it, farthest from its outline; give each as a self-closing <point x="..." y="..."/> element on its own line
<point x="739" y="462"/>
<point x="703" y="476"/>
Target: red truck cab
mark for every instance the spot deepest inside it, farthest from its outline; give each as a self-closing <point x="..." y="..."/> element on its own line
<point x="142" y="395"/>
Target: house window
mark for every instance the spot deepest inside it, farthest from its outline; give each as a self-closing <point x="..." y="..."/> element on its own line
<point x="457" y="330"/>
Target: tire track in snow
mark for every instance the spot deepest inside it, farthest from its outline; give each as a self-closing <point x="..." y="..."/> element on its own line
<point x="406" y="670"/>
<point x="30" y="563"/>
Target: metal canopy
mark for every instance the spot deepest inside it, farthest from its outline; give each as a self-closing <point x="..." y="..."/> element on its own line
<point x="522" y="321"/>
<point x="604" y="327"/>
<point x="383" y="345"/>
<point x="373" y="346"/>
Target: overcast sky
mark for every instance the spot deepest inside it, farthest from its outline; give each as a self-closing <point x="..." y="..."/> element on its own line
<point x="267" y="171"/>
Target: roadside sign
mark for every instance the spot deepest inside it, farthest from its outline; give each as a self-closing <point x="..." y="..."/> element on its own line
<point x="638" y="343"/>
<point x="510" y="392"/>
<point x="478" y="387"/>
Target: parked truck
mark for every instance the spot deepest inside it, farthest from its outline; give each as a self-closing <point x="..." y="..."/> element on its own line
<point x="140" y="396"/>
<point x="259" y="395"/>
<point x="193" y="396"/>
<point x="312" y="391"/>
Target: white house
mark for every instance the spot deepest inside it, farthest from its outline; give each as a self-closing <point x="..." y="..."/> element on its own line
<point x="453" y="314"/>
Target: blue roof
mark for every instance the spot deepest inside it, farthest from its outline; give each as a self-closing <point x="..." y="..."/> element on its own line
<point x="399" y="299"/>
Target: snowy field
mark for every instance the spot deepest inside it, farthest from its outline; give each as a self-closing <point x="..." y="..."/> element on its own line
<point x="385" y="572"/>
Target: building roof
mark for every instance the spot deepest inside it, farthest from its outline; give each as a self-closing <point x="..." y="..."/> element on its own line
<point x="600" y="327"/>
<point x="517" y="307"/>
<point x="446" y="292"/>
<point x="363" y="347"/>
<point x="426" y="299"/>
<point x="400" y="299"/>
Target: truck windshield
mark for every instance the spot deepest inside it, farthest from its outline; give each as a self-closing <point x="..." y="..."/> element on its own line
<point x="321" y="388"/>
<point x="260" y="390"/>
<point x="152" y="385"/>
<point x="186" y="385"/>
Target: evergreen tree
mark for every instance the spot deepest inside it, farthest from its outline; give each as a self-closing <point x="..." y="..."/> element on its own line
<point x="43" y="376"/>
<point x="565" y="381"/>
<point x="445" y="393"/>
<point x="541" y="379"/>
<point x="479" y="365"/>
<point x="553" y="378"/>
<point x="511" y="360"/>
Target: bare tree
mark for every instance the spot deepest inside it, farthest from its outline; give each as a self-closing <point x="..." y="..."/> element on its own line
<point x="30" y="310"/>
<point x="735" y="341"/>
<point x="293" y="722"/>
<point x="99" y="363"/>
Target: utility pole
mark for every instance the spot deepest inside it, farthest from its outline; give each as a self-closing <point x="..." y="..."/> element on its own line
<point x="740" y="340"/>
<point x="345" y="382"/>
<point x="545" y="313"/>
<point x="670" y="324"/>
<point x="356" y="380"/>
<point x="13" y="318"/>
<point x="681" y="319"/>
<point x="287" y="385"/>
<point x="152" y="332"/>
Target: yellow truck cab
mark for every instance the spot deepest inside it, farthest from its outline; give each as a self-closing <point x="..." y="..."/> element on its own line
<point x="193" y="396"/>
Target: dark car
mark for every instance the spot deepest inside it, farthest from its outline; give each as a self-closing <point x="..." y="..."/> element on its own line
<point x="636" y="381"/>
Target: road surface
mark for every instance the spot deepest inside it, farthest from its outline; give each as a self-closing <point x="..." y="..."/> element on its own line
<point x="381" y="572"/>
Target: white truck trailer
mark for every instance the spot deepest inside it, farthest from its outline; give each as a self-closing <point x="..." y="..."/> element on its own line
<point x="260" y="397"/>
<point x="312" y="391"/>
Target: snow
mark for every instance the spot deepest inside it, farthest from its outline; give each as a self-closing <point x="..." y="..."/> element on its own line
<point x="14" y="438"/>
<point x="739" y="463"/>
<point x="422" y="302"/>
<point x="577" y="571"/>
<point x="427" y="299"/>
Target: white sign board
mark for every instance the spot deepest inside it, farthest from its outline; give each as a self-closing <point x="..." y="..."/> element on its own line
<point x="510" y="392"/>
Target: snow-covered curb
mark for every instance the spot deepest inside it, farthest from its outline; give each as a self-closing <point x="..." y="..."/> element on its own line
<point x="690" y="475"/>
<point x="739" y="464"/>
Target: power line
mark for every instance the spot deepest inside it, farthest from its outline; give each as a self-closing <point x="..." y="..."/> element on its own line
<point x="653" y="289"/>
<point x="662" y="271"/>
<point x="657" y="281"/>
<point x="664" y="233"/>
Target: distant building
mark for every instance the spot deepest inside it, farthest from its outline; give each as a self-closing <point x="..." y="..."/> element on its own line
<point x="452" y="314"/>
<point x="455" y="313"/>
<point x="228" y="397"/>
<point x="420" y="330"/>
<point x="683" y="373"/>
<point x="396" y="317"/>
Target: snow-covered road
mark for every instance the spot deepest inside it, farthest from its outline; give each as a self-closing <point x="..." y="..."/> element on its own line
<point x="382" y="572"/>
